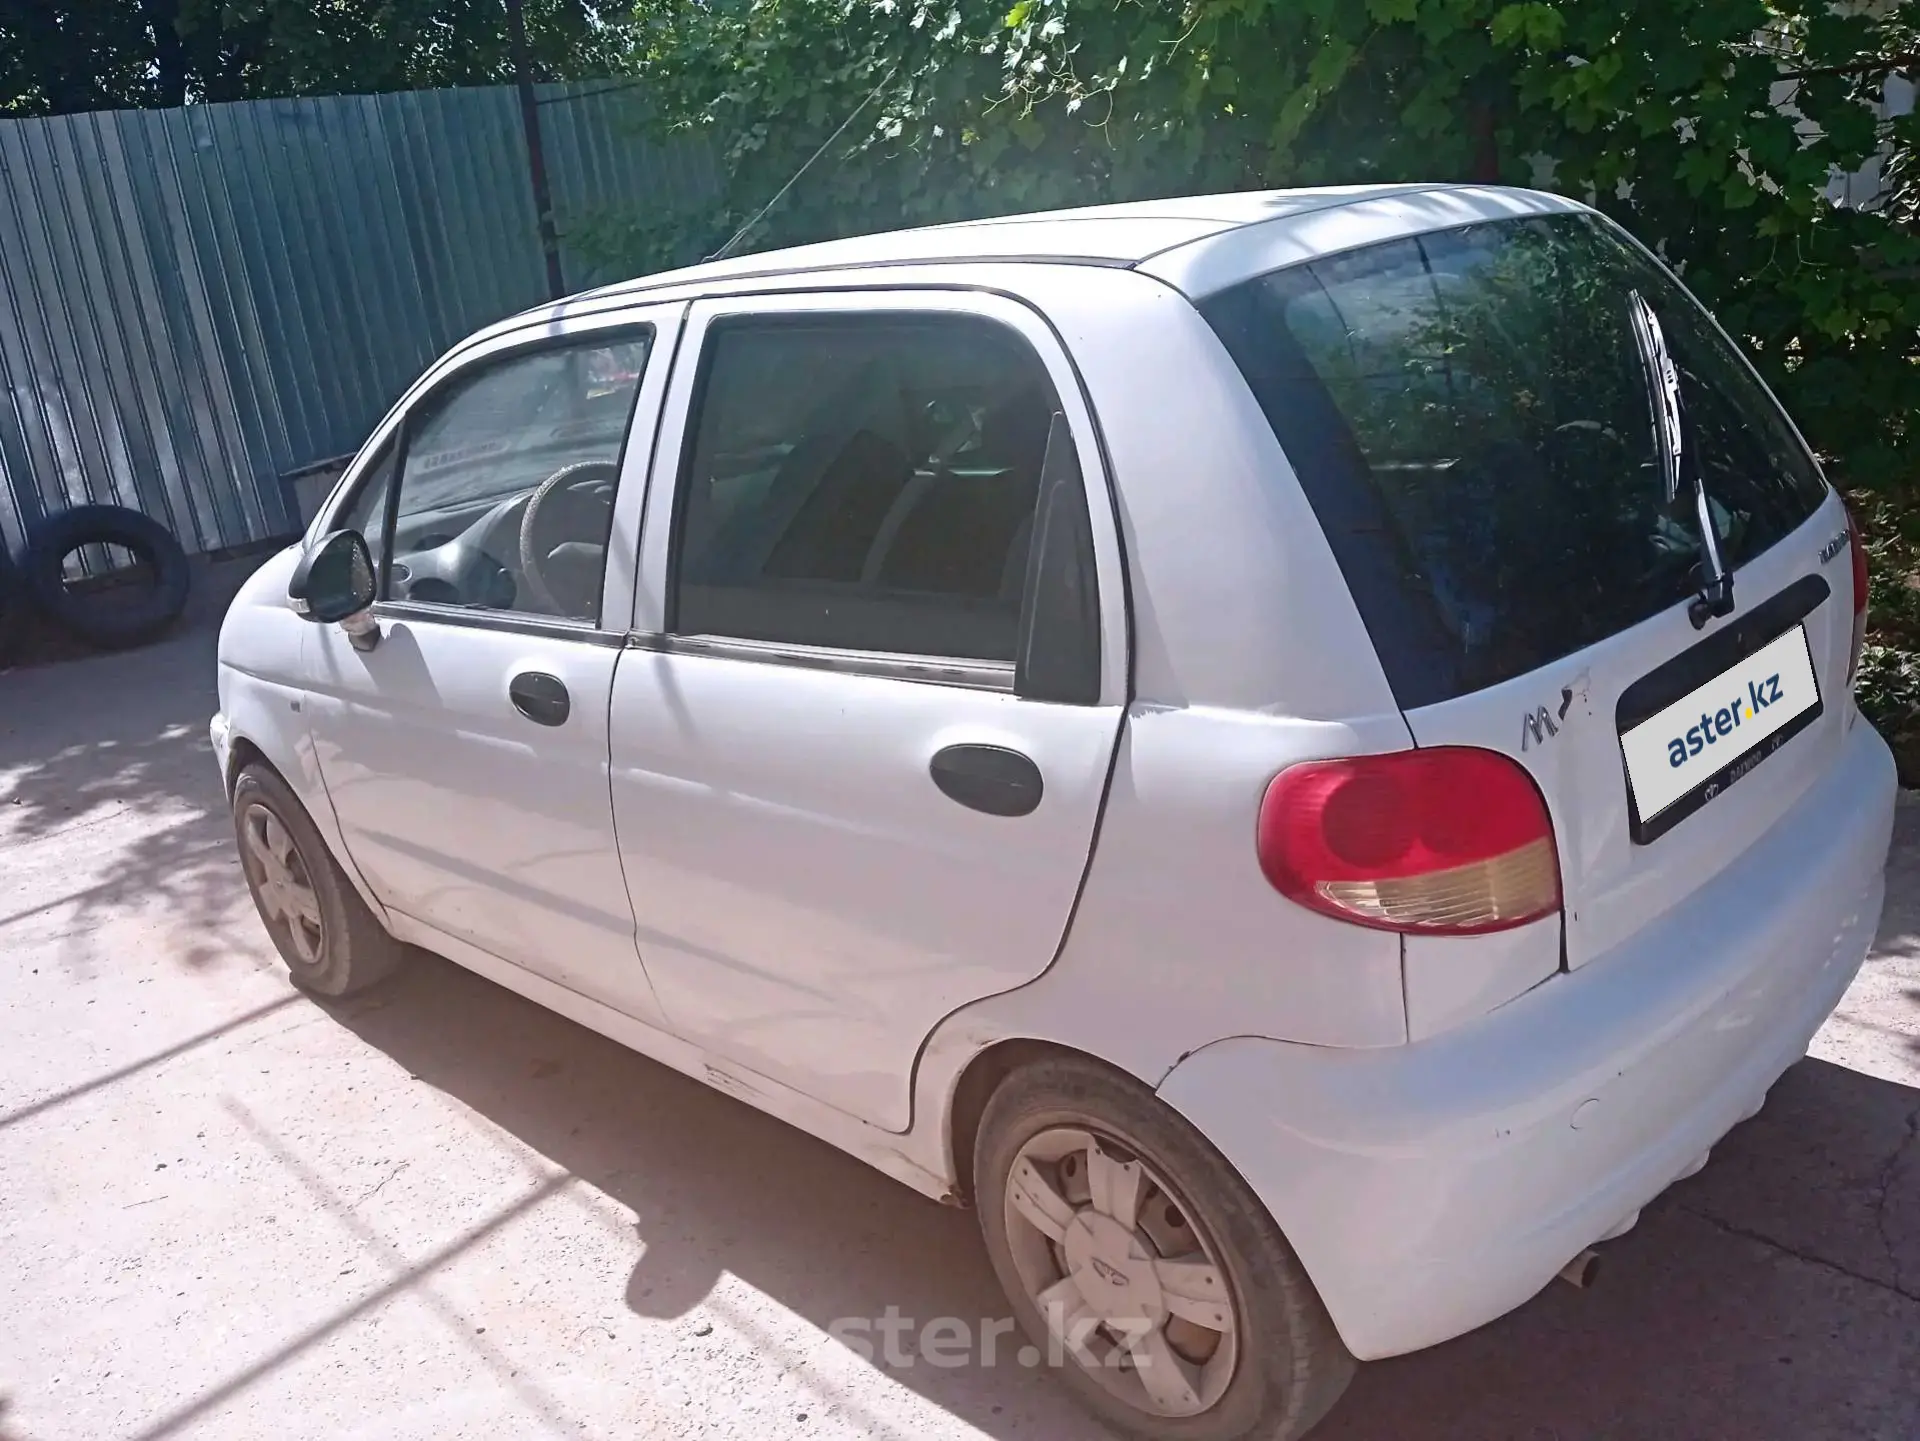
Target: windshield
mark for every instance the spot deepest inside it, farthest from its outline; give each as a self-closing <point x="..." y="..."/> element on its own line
<point x="1469" y="414"/>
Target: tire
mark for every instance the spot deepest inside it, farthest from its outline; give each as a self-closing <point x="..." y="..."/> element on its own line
<point x="105" y="620"/>
<point x="1269" y="1375"/>
<point x="13" y="607"/>
<point x="332" y="943"/>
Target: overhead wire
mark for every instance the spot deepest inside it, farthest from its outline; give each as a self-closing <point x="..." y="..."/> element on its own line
<point x="780" y="194"/>
<point x="792" y="180"/>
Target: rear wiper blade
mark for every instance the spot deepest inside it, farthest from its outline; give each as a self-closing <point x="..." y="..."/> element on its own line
<point x="1663" y="396"/>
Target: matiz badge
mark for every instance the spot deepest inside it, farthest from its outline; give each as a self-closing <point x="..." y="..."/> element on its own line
<point x="1537" y="728"/>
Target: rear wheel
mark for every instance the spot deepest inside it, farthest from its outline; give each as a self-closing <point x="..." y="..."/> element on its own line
<point x="332" y="943"/>
<point x="1139" y="1261"/>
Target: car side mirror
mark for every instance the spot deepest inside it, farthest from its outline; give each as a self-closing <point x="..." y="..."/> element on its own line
<point x="335" y="581"/>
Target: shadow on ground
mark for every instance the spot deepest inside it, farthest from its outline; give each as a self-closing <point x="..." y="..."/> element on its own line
<point x="1772" y="1296"/>
<point x="113" y="787"/>
<point x="717" y="1187"/>
<point x="1775" y="1297"/>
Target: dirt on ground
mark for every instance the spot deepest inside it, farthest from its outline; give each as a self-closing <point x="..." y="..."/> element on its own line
<point x="227" y="1211"/>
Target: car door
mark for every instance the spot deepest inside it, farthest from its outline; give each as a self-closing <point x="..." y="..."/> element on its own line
<point x="466" y="753"/>
<point x="862" y="734"/>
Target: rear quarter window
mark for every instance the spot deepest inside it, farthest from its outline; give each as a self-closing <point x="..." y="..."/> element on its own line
<point x="1469" y="417"/>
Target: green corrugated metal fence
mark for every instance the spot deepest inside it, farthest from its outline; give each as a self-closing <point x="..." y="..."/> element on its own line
<point x="196" y="301"/>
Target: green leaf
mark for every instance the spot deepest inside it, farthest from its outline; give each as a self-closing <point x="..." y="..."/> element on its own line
<point x="1328" y="68"/>
<point x="1389" y="12"/>
<point x="1534" y="24"/>
<point x="1020" y="13"/>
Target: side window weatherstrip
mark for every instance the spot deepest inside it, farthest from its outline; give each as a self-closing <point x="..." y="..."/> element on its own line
<point x="936" y="670"/>
<point x="511" y="622"/>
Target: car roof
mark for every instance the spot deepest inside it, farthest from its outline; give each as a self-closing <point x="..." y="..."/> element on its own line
<point x="1096" y="234"/>
<point x="1126" y="234"/>
<point x="1196" y="243"/>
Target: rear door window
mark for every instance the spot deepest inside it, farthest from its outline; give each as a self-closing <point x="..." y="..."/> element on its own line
<point x="864" y="482"/>
<point x="1469" y="416"/>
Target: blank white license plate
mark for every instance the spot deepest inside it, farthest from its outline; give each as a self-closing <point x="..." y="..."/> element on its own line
<point x="1702" y="739"/>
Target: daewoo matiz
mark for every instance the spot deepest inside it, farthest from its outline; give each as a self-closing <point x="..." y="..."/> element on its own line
<point x="1296" y="750"/>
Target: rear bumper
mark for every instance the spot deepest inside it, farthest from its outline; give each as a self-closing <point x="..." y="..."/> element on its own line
<point x="1431" y="1188"/>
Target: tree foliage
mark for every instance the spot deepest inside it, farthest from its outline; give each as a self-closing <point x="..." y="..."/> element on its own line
<point x="1714" y="129"/>
<point x="102" y="54"/>
<point x="1711" y="128"/>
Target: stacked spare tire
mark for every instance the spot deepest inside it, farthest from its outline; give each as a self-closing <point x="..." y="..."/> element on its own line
<point x="125" y="605"/>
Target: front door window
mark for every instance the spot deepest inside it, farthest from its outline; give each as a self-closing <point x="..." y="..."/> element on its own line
<point x="507" y="481"/>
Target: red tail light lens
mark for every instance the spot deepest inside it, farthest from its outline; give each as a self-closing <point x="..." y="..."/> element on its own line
<point x="1448" y="841"/>
<point x="1858" y="548"/>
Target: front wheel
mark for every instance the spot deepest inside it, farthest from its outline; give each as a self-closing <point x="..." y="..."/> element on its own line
<point x="332" y="943"/>
<point x="1136" y="1257"/>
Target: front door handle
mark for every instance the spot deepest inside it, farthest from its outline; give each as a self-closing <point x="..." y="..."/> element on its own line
<point x="540" y="697"/>
<point x="993" y="779"/>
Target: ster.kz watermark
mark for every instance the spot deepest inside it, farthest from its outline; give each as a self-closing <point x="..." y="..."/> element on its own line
<point x="950" y="1342"/>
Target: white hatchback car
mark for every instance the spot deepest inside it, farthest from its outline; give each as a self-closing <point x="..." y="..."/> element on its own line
<point x="1208" y="730"/>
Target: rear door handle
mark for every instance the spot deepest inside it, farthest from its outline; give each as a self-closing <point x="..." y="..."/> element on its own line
<point x="993" y="779"/>
<point x="540" y="697"/>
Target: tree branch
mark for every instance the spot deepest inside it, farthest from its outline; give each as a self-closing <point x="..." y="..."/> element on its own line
<point x="169" y="51"/>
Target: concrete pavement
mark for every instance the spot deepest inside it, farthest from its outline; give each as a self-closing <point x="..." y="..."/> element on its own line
<point x="440" y="1212"/>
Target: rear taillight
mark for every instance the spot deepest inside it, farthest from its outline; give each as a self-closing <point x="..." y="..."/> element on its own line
<point x="1858" y="548"/>
<point x="1449" y="841"/>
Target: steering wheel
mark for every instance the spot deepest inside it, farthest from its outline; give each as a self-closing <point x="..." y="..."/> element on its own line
<point x="583" y="479"/>
<point x="1591" y="441"/>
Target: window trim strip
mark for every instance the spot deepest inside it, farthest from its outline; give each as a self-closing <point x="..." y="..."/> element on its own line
<point x="885" y="665"/>
<point x="510" y="622"/>
<point x="928" y="670"/>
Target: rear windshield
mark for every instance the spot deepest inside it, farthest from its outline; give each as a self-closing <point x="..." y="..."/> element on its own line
<point x="1470" y="418"/>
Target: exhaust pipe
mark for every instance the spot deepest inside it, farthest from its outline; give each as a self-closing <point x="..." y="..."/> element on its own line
<point x="1582" y="1270"/>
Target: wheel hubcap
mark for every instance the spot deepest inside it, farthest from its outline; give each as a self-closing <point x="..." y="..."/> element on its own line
<point x="281" y="883"/>
<point x="1113" y="1270"/>
<point x="1119" y="1268"/>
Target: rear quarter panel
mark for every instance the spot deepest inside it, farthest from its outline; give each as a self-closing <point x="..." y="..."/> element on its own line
<point x="1248" y="656"/>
